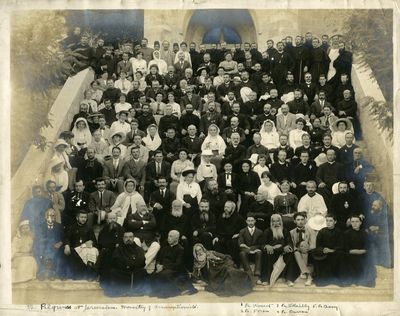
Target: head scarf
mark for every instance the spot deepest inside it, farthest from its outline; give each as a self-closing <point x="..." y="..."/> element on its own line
<point x="152" y="144"/>
<point x="83" y="136"/>
<point x="201" y="262"/>
<point x="214" y="142"/>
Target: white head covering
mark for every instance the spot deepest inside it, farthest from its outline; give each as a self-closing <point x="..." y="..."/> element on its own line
<point x="244" y="93"/>
<point x="155" y="143"/>
<point x="81" y="136"/>
<point x="214" y="142"/>
<point x="160" y="63"/>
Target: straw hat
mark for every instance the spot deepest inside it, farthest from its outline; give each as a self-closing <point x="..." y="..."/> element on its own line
<point x="60" y="142"/>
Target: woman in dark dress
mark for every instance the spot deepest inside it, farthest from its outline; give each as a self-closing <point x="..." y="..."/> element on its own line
<point x="220" y="273"/>
<point x="248" y="183"/>
<point x="358" y="265"/>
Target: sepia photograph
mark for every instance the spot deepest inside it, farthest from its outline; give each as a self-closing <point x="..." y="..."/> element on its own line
<point x="202" y="155"/>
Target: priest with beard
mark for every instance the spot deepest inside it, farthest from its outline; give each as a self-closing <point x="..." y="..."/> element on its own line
<point x="176" y="220"/>
<point x="127" y="274"/>
<point x="80" y="249"/>
<point x="203" y="225"/>
<point x="171" y="278"/>
<point x="328" y="254"/>
<point x="277" y="242"/>
<point x="281" y="64"/>
<point x="229" y="223"/>
<point x="301" y="60"/>
<point x="215" y="197"/>
<point x="342" y="64"/>
<point x="110" y="237"/>
<point x="342" y="205"/>
<point x="261" y="210"/>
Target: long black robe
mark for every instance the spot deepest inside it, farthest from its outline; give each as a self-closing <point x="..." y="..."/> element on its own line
<point x="127" y="275"/>
<point x="327" y="266"/>
<point x="359" y="269"/>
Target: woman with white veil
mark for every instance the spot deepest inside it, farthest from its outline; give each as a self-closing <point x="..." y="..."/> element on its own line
<point x="152" y="140"/>
<point x="269" y="135"/>
<point x="215" y="143"/>
<point x="81" y="133"/>
<point x="160" y="63"/>
<point x="127" y="201"/>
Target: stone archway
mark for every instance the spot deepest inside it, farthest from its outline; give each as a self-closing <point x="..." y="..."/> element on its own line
<point x="230" y="25"/>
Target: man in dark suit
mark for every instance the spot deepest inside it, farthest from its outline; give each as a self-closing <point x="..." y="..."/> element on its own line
<point x="135" y="169"/>
<point x="161" y="200"/>
<point x="228" y="182"/>
<point x="318" y="105"/>
<point x="134" y="131"/>
<point x="211" y="68"/>
<point x="250" y="244"/>
<point x="156" y="168"/>
<point x="181" y="65"/>
<point x="191" y="98"/>
<point x="233" y="128"/>
<point x="100" y="202"/>
<point x="235" y="152"/>
<point x="89" y="170"/>
<point x="193" y="144"/>
<point x="74" y="201"/>
<point x="113" y="171"/>
<point x="125" y="65"/>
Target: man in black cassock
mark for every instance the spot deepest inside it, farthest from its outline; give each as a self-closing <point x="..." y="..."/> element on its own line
<point x="319" y="60"/>
<point x="281" y="64"/>
<point x="109" y="238"/>
<point x="203" y="225"/>
<point x="127" y="275"/>
<point x="342" y="205"/>
<point x="79" y="234"/>
<point x="171" y="278"/>
<point x="328" y="254"/>
<point x="301" y="60"/>
<point x="229" y="223"/>
<point x="342" y="64"/>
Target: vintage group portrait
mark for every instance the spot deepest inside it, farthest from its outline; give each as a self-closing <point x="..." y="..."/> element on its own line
<point x="201" y="154"/>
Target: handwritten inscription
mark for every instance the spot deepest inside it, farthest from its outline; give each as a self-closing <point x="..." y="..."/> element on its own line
<point x="287" y="308"/>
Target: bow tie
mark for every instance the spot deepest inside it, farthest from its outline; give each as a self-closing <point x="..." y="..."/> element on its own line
<point x="300" y="230"/>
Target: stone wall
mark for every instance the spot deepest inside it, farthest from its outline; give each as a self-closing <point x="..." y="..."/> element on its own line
<point x="35" y="163"/>
<point x="378" y="142"/>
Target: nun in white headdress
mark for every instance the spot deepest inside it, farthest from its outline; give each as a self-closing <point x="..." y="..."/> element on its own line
<point x="81" y="133"/>
<point x="269" y="135"/>
<point x="152" y="140"/>
<point x="215" y="143"/>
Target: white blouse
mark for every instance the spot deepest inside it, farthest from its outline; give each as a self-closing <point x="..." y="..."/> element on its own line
<point x="193" y="189"/>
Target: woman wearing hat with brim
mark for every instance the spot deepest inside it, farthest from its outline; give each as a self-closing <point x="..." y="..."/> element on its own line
<point x="121" y="125"/>
<point x="206" y="169"/>
<point x="177" y="167"/>
<point x="339" y="130"/>
<point x="116" y="139"/>
<point x="188" y="191"/>
<point x="59" y="147"/>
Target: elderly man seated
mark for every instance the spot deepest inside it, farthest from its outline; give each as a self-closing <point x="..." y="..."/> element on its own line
<point x="143" y="225"/>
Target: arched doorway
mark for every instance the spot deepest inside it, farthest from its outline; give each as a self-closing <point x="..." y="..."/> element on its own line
<point x="212" y="26"/>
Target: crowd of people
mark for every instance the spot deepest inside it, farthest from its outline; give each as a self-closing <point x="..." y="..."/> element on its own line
<point x="231" y="166"/>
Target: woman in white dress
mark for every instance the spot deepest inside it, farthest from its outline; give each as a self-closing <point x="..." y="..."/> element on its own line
<point x="177" y="167"/>
<point x="81" y="133"/>
<point x="269" y="135"/>
<point x="176" y="108"/>
<point x="339" y="130"/>
<point x="261" y="165"/>
<point x="152" y="140"/>
<point x="161" y="64"/>
<point x="188" y="191"/>
<point x="139" y="64"/>
<point x="295" y="135"/>
<point x="127" y="201"/>
<point x="268" y="188"/>
<point x="23" y="264"/>
<point x="215" y="143"/>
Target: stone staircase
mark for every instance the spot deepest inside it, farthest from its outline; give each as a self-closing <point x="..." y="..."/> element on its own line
<point x="299" y="292"/>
